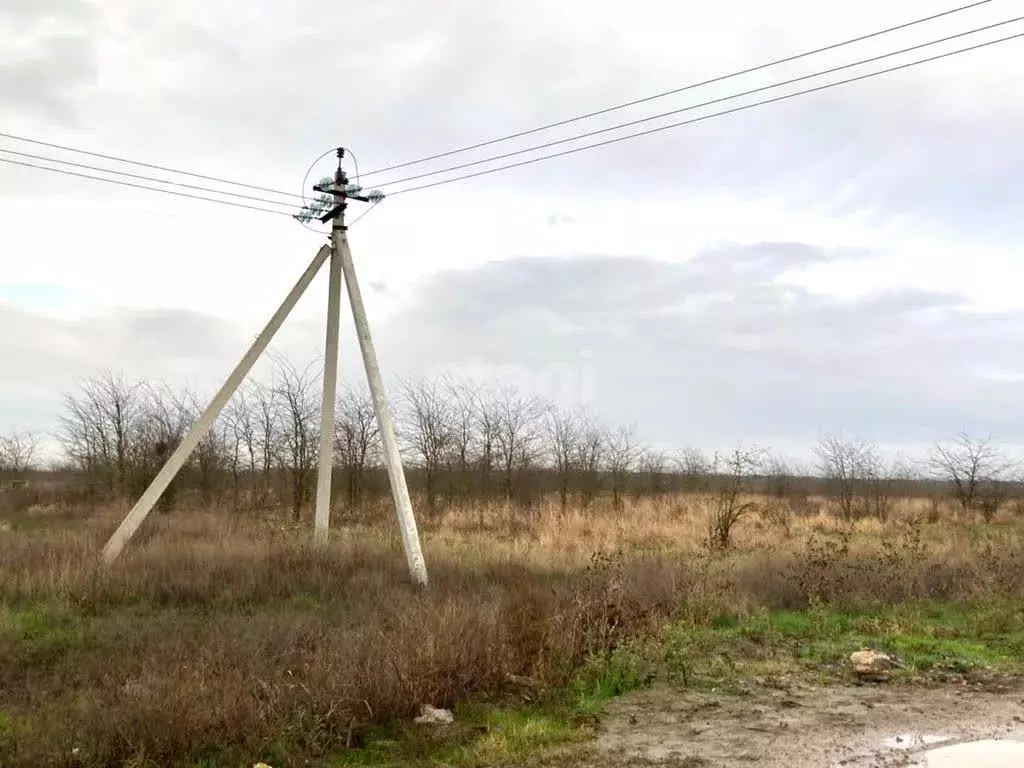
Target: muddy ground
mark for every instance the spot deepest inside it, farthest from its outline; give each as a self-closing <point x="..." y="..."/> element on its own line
<point x="802" y="726"/>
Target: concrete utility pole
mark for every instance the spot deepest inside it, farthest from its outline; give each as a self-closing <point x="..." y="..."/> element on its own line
<point x="325" y="468"/>
<point x="393" y="459"/>
<point x="342" y="259"/>
<point x="342" y="266"/>
<point x="177" y="459"/>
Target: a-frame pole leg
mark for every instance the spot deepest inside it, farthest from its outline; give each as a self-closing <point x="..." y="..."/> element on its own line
<point x="177" y="459"/>
<point x="396" y="473"/>
<point x="326" y="456"/>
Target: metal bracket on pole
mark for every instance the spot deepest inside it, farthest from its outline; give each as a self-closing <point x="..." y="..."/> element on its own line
<point x="177" y="460"/>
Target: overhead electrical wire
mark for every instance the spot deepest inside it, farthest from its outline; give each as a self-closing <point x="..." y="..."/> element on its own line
<point x="141" y="186"/>
<point x="674" y="91"/>
<point x="166" y="169"/>
<point x="523" y="151"/>
<point x="372" y="205"/>
<point x="142" y="177"/>
<point x="701" y="118"/>
<point x="221" y="180"/>
<point x="708" y="103"/>
<point x="663" y="94"/>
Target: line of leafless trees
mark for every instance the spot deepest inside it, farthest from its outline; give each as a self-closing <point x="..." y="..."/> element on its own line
<point x="971" y="470"/>
<point x="464" y="442"/>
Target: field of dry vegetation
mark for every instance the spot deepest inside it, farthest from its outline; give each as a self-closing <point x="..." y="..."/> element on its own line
<point x="222" y="639"/>
<point x="567" y="565"/>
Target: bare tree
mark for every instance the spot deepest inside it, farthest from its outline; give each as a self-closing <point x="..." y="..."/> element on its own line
<point x="518" y="435"/>
<point x="620" y="454"/>
<point x="299" y="409"/>
<point x="563" y="442"/>
<point x="878" y="483"/>
<point x="779" y="488"/>
<point x="463" y="404"/>
<point x="356" y="440"/>
<point x="969" y="465"/>
<point x="850" y="466"/>
<point x="779" y="476"/>
<point x="210" y="459"/>
<point x="992" y="494"/>
<point x="18" y="451"/>
<point x="486" y="422"/>
<point x="267" y="439"/>
<point x="653" y="463"/>
<point x="734" y="472"/>
<point x="166" y="417"/>
<point x="167" y="414"/>
<point x="240" y="441"/>
<point x="100" y="426"/>
<point x="694" y="470"/>
<point x="904" y="473"/>
<point x="426" y="421"/>
<point x="589" y="459"/>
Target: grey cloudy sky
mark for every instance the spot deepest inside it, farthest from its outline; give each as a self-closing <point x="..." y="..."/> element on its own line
<point x="844" y="260"/>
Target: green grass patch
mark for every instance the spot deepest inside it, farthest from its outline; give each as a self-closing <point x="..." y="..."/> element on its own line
<point x="607" y="675"/>
<point x="479" y="737"/>
<point x="927" y="637"/>
<point x="486" y="735"/>
<point x="41" y="637"/>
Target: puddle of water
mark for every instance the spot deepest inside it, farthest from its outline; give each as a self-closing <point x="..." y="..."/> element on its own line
<point x="931" y="750"/>
<point x="975" y="754"/>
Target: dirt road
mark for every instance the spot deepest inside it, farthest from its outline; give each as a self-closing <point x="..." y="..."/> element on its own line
<point x="854" y="726"/>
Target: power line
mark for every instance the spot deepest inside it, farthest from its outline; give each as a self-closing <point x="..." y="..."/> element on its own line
<point x="141" y="186"/>
<point x="791" y="81"/>
<point x="706" y="117"/>
<point x="518" y="152"/>
<point x="674" y="91"/>
<point x="357" y="218"/>
<point x="142" y="177"/>
<point x="152" y="189"/>
<point x="117" y="159"/>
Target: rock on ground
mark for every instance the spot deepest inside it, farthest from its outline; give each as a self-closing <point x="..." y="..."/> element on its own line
<point x="433" y="716"/>
<point x="872" y="665"/>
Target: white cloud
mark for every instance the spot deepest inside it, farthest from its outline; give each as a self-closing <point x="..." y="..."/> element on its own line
<point x="914" y="172"/>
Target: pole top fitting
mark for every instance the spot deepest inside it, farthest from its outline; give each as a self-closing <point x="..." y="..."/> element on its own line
<point x="334" y="194"/>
